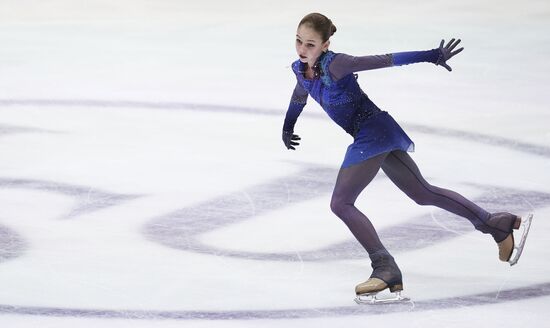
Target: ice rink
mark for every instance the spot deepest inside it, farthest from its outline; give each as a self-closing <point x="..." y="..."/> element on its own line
<point x="144" y="183"/>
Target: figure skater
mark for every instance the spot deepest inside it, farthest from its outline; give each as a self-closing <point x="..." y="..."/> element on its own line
<point x="379" y="142"/>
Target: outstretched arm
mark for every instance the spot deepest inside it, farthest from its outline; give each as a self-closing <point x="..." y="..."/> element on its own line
<point x="344" y="64"/>
<point x="297" y="104"/>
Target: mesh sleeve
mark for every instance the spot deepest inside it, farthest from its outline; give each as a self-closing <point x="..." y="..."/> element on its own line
<point x="297" y="103"/>
<point x="343" y="64"/>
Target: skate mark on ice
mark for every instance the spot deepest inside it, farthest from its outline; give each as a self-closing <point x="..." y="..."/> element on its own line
<point x="88" y="199"/>
<point x="12" y="129"/>
<point x="182" y="228"/>
<point x="481" y="138"/>
<point x="504" y="296"/>
<point x="12" y="245"/>
<point x="453" y="302"/>
<point x="153" y="105"/>
<point x="171" y="105"/>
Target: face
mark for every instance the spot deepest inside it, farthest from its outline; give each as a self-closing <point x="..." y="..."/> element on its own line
<point x="309" y="45"/>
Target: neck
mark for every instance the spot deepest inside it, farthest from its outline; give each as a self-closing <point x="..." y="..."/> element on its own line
<point x="316" y="60"/>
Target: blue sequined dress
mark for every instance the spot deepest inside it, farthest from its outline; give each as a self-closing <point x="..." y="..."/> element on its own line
<point x="374" y="131"/>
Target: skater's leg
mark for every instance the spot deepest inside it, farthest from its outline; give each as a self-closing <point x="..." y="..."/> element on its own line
<point x="349" y="184"/>
<point x="403" y="171"/>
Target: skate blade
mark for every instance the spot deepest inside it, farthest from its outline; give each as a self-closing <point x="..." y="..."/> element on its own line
<point x="373" y="299"/>
<point x="526" y="224"/>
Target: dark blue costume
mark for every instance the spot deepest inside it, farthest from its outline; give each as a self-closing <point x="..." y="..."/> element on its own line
<point x="380" y="143"/>
<point x="374" y="130"/>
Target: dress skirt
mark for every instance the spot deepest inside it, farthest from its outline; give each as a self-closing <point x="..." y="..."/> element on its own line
<point x="378" y="134"/>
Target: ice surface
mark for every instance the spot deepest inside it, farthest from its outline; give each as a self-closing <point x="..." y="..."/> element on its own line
<point x="143" y="182"/>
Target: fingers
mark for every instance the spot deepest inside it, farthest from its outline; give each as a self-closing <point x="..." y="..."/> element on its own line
<point x="453" y="45"/>
<point x="448" y="51"/>
<point x="450" y="43"/>
<point x="291" y="142"/>
<point x="456" y="51"/>
<point x="291" y="145"/>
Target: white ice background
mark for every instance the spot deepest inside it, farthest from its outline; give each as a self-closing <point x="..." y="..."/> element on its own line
<point x="143" y="182"/>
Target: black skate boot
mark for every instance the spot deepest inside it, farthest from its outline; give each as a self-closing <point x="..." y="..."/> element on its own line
<point x="385" y="274"/>
<point x="505" y="224"/>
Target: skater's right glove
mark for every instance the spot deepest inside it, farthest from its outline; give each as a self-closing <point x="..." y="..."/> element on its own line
<point x="289" y="139"/>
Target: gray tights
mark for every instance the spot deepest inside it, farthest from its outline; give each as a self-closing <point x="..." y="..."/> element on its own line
<point x="403" y="172"/>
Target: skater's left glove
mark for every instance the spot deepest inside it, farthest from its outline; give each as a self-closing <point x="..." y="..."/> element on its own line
<point x="446" y="52"/>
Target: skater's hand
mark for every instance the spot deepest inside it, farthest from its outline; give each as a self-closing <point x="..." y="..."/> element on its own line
<point x="289" y="138"/>
<point x="446" y="52"/>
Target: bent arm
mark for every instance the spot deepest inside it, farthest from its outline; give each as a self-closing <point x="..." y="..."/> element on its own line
<point x="343" y="64"/>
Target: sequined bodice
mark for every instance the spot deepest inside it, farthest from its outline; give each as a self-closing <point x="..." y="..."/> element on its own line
<point x="343" y="100"/>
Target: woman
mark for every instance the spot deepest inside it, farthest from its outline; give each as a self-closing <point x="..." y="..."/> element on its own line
<point x="379" y="142"/>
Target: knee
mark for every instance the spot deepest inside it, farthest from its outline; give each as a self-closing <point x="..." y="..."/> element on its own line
<point x="338" y="206"/>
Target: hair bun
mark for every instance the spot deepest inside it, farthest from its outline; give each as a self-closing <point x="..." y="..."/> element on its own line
<point x="332" y="30"/>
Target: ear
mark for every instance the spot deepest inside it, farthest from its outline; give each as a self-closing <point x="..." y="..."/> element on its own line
<point x="325" y="46"/>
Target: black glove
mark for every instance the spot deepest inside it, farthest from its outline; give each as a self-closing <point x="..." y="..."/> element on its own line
<point x="445" y="53"/>
<point x="289" y="139"/>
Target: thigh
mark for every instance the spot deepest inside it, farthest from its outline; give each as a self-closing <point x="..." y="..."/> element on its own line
<point x="352" y="180"/>
<point x="404" y="173"/>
